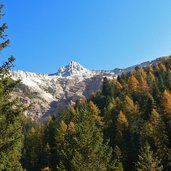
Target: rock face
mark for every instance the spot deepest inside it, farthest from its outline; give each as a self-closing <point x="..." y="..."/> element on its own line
<point x="49" y="93"/>
<point x="73" y="68"/>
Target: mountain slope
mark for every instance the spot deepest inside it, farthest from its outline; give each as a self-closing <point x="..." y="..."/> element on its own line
<point x="49" y="93"/>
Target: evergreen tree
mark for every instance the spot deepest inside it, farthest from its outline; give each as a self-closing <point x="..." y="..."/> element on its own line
<point x="34" y="149"/>
<point x="117" y="162"/>
<point x="11" y="113"/>
<point x="80" y="144"/>
<point x="157" y="132"/>
<point x="106" y="87"/>
<point x="147" y="160"/>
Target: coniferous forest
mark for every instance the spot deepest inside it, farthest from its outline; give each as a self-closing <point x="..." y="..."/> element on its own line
<point x="125" y="127"/>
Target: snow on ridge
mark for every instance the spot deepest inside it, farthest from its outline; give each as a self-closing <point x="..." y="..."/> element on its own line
<point x="22" y="74"/>
<point x="72" y="69"/>
<point x="36" y="83"/>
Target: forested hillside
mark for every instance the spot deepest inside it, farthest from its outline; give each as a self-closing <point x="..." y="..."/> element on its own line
<point x="127" y="126"/>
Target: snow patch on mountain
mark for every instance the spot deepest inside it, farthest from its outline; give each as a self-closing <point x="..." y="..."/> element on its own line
<point x="73" y="69"/>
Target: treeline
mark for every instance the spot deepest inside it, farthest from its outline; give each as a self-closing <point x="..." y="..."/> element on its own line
<point x="127" y="126"/>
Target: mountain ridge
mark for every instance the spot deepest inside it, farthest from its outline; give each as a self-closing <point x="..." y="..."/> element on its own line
<point x="49" y="93"/>
<point x="75" y="68"/>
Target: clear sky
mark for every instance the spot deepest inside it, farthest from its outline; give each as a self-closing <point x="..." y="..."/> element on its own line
<point x="99" y="34"/>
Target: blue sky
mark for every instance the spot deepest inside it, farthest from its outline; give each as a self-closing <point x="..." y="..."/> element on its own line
<point x="100" y="34"/>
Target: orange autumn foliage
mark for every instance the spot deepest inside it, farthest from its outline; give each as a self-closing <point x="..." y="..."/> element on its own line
<point x="167" y="104"/>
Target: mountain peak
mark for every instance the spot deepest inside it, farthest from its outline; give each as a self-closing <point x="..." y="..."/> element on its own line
<point x="73" y="68"/>
<point x="74" y="63"/>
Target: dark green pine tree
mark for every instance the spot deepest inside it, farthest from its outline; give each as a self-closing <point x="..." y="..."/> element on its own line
<point x="147" y="160"/>
<point x="106" y="87"/>
<point x="11" y="113"/>
<point x="117" y="162"/>
<point x="82" y="147"/>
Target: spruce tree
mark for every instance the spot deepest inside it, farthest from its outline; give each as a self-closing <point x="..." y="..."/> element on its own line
<point x="10" y="113"/>
<point x="147" y="160"/>
<point x="80" y="144"/>
<point x="117" y="162"/>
